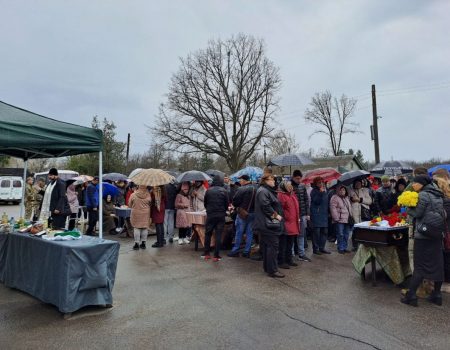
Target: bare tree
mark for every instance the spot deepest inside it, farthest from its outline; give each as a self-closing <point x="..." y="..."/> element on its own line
<point x="333" y="117"/>
<point x="221" y="101"/>
<point x="281" y="142"/>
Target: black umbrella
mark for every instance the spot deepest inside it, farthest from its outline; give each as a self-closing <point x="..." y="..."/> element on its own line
<point x="391" y="168"/>
<point x="193" y="175"/>
<point x="212" y="173"/>
<point x="350" y="176"/>
<point x="114" y="177"/>
<point x="290" y="159"/>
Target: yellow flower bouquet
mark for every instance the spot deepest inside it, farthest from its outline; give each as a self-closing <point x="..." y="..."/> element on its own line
<point x="408" y="199"/>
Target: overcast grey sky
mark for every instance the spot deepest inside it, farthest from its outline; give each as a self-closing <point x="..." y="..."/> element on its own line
<point x="71" y="60"/>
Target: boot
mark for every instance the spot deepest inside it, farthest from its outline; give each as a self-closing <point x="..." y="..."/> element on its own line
<point x="408" y="299"/>
<point x="435" y="298"/>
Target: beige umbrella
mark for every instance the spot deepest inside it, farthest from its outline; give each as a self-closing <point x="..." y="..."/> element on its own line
<point x="152" y="177"/>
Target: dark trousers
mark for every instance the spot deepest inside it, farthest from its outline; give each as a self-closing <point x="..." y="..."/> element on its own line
<point x="269" y="248"/>
<point x="159" y="233"/>
<point x="216" y="225"/>
<point x="415" y="282"/>
<point x="92" y="221"/>
<point x="182" y="232"/>
<point x="285" y="249"/>
<point x="72" y="220"/>
<point x="58" y="221"/>
<point x="319" y="238"/>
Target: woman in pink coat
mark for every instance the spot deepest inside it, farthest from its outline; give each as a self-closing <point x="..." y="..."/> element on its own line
<point x="139" y="203"/>
<point x="340" y="208"/>
<point x="291" y="215"/>
<point x="182" y="205"/>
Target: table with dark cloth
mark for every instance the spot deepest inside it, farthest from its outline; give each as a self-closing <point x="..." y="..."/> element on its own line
<point x="386" y="245"/>
<point x="68" y="274"/>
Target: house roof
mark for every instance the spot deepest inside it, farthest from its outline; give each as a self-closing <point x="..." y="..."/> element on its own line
<point x="338" y="162"/>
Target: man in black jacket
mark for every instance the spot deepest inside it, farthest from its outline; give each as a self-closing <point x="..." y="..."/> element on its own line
<point x="244" y="202"/>
<point x="303" y="201"/>
<point x="59" y="205"/>
<point x="216" y="204"/>
<point x="169" y="213"/>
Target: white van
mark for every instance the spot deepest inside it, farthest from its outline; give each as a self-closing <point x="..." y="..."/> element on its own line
<point x="11" y="189"/>
<point x="62" y="174"/>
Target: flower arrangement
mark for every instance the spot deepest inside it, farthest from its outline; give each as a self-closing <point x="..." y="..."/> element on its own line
<point x="394" y="219"/>
<point x="408" y="199"/>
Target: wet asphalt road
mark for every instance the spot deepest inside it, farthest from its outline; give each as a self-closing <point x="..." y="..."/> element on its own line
<point x="170" y="299"/>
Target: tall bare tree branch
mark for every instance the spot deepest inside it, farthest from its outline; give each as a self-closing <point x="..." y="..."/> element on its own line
<point x="221" y="101"/>
<point x="332" y="117"/>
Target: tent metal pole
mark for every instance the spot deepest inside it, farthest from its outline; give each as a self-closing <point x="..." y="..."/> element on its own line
<point x="22" y="203"/>
<point x="100" y="195"/>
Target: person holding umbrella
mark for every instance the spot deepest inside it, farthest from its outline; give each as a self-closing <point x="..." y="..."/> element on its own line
<point x="182" y="205"/>
<point x="198" y="196"/>
<point x="139" y="203"/>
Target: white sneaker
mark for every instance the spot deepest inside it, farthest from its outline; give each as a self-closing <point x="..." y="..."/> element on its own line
<point x="187" y="241"/>
<point x="180" y="241"/>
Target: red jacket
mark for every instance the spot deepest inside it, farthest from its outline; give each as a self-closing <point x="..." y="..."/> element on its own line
<point x="158" y="215"/>
<point x="291" y="212"/>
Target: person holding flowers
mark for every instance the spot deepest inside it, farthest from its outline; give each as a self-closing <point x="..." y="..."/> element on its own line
<point x="430" y="225"/>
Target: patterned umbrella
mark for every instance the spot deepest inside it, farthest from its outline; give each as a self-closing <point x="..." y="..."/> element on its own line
<point x="327" y="174"/>
<point x="135" y="172"/>
<point x="114" y="177"/>
<point x="288" y="159"/>
<point x="193" y="175"/>
<point x="253" y="172"/>
<point x="391" y="168"/>
<point x="152" y="177"/>
<point x="350" y="176"/>
<point x="78" y="180"/>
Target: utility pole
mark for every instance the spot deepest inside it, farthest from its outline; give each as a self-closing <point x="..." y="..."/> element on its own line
<point x="128" y="149"/>
<point x="374" y="129"/>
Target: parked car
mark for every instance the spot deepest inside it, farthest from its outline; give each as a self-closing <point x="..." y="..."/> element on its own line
<point x="11" y="189"/>
<point x="63" y="175"/>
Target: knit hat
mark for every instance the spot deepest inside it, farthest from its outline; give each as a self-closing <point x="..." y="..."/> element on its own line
<point x="385" y="178"/>
<point x="53" y="171"/>
<point x="422" y="179"/>
<point x="297" y="173"/>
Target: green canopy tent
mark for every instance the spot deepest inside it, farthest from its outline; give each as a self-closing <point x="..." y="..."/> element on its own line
<point x="28" y="135"/>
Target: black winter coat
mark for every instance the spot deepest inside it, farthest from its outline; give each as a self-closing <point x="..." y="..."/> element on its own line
<point x="171" y="194"/>
<point x="384" y="200"/>
<point x="431" y="203"/>
<point x="216" y="200"/>
<point x="266" y="207"/>
<point x="302" y="196"/>
<point x="245" y="198"/>
<point x="58" y="199"/>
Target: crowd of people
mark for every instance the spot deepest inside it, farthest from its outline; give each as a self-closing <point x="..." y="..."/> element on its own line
<point x="279" y="215"/>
